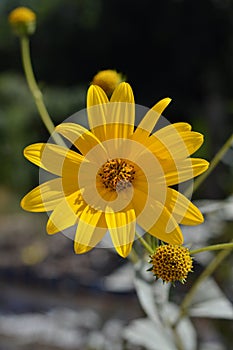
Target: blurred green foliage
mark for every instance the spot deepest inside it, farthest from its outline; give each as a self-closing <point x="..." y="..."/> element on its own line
<point x="173" y="48"/>
<point x="20" y="125"/>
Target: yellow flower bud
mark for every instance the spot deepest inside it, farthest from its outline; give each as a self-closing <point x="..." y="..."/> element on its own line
<point x="108" y="80"/>
<point x="171" y="263"/>
<point x="22" y="21"/>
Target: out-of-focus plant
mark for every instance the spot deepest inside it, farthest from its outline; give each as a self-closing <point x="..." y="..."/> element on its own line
<point x="123" y="175"/>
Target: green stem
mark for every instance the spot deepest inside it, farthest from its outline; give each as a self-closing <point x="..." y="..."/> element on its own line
<point x="206" y="273"/>
<point x="178" y="341"/>
<point x="217" y="158"/>
<point x="152" y="241"/>
<point x="36" y="93"/>
<point x="212" y="247"/>
<point x="144" y="243"/>
<point x="133" y="257"/>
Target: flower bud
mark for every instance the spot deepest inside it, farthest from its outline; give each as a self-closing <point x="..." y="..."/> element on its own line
<point x="22" y="21"/>
<point x="171" y="263"/>
<point x="107" y="80"/>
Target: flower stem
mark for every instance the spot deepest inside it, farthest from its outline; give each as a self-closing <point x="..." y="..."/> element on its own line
<point x="133" y="257"/>
<point x="217" y="158"/>
<point x="152" y="241"/>
<point x="144" y="243"/>
<point x="212" y="247"/>
<point x="36" y="93"/>
<point x="206" y="273"/>
<point x="178" y="341"/>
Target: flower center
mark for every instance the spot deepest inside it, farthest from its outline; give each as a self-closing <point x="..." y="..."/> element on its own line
<point x="117" y="174"/>
<point x="171" y="263"/>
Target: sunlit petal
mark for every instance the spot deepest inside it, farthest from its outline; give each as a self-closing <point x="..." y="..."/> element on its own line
<point x="182" y="209"/>
<point x="44" y="197"/>
<point x="121" y="226"/>
<point x="51" y="157"/>
<point x="120" y="113"/>
<point x="162" y="227"/>
<point x="96" y="96"/>
<point x="67" y="213"/>
<point x="79" y="136"/>
<point x="181" y="171"/>
<point x="175" y="145"/>
<point x="152" y="116"/>
<point x="179" y="127"/>
<point x="123" y="93"/>
<point x="97" y="102"/>
<point x="89" y="233"/>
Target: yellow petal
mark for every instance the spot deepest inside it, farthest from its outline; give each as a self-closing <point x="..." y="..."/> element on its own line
<point x="175" y="145"/>
<point x="160" y="106"/>
<point x="180" y="127"/>
<point x="97" y="102"/>
<point x="96" y="96"/>
<point x="66" y="214"/>
<point x="162" y="226"/>
<point x="123" y="93"/>
<point x="121" y="112"/>
<point x="152" y="116"/>
<point x="44" y="197"/>
<point x="51" y="157"/>
<point x="182" y="170"/>
<point x="182" y="209"/>
<point x="79" y="136"/>
<point x="121" y="226"/>
<point x="149" y="210"/>
<point x="111" y="120"/>
<point x="89" y="231"/>
<point x="142" y="135"/>
<point x="81" y="249"/>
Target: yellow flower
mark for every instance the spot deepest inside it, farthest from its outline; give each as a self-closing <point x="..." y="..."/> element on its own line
<point x="171" y="263"/>
<point x="108" y="80"/>
<point x="23" y="21"/>
<point x="121" y="176"/>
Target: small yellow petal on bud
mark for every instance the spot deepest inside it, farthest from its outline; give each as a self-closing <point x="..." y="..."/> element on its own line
<point x="108" y="80"/>
<point x="171" y="263"/>
<point x="22" y="21"/>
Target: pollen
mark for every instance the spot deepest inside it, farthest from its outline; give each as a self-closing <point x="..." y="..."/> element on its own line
<point x="171" y="263"/>
<point x="117" y="174"/>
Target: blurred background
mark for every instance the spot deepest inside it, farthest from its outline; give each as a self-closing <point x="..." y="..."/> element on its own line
<point x="180" y="49"/>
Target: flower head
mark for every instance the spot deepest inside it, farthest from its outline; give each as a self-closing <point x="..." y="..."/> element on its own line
<point x="121" y="176"/>
<point x="171" y="263"/>
<point x="108" y="80"/>
<point x="23" y="21"/>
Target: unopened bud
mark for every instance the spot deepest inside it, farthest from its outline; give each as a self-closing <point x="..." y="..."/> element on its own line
<point x="22" y="21"/>
<point x="107" y="80"/>
<point x="171" y="263"/>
